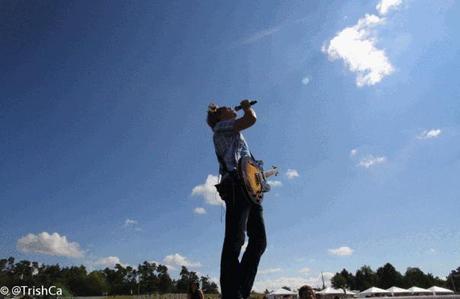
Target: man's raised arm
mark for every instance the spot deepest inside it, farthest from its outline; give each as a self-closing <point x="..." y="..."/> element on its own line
<point x="248" y="119"/>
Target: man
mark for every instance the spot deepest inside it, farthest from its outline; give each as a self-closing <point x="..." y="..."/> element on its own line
<point x="236" y="278"/>
<point x="194" y="291"/>
<point x="306" y="292"/>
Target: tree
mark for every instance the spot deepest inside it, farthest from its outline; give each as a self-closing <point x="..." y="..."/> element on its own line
<point x="96" y="284"/>
<point x="186" y="277"/>
<point x="183" y="282"/>
<point x="3" y="273"/>
<point x="435" y="281"/>
<point x="23" y="273"/>
<point x="116" y="279"/>
<point x="453" y="280"/>
<point x="49" y="275"/>
<point x="416" y="277"/>
<point x="7" y="272"/>
<point x="208" y="286"/>
<point x="148" y="280"/>
<point x="365" y="278"/>
<point x="165" y="284"/>
<point x="339" y="281"/>
<point x="131" y="280"/>
<point x="388" y="276"/>
<point x="75" y="278"/>
<point x="344" y="279"/>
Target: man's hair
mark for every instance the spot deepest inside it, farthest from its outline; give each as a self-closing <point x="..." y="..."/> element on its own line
<point x="214" y="114"/>
<point x="304" y="290"/>
<point x="213" y="118"/>
<point x="193" y="283"/>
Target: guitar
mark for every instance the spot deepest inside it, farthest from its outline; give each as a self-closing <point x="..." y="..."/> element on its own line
<point x="254" y="178"/>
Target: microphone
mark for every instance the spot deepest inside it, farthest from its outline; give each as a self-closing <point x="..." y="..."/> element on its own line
<point x="237" y="108"/>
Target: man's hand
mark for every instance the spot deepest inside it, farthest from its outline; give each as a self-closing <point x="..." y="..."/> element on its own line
<point x="245" y="104"/>
<point x="249" y="118"/>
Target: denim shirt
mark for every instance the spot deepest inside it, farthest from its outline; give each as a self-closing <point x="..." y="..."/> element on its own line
<point x="229" y="144"/>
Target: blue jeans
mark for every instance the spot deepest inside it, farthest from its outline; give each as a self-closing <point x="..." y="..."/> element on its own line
<point x="237" y="278"/>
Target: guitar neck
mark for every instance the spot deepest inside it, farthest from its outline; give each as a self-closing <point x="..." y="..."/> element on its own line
<point x="271" y="172"/>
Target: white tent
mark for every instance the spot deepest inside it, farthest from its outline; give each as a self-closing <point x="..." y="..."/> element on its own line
<point x="439" y="290"/>
<point x="331" y="291"/>
<point x="395" y="290"/>
<point x="417" y="290"/>
<point x="372" y="291"/>
<point x="349" y="292"/>
<point x="282" y="293"/>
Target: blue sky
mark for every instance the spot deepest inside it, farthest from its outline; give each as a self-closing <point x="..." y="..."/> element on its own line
<point x="106" y="157"/>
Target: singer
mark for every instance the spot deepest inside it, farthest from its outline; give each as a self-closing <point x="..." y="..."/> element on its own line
<point x="241" y="216"/>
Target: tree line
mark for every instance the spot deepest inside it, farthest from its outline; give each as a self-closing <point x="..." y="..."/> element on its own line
<point x="387" y="276"/>
<point x="146" y="278"/>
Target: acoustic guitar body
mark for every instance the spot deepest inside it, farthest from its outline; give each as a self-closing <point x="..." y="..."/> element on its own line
<point x="248" y="170"/>
<point x="254" y="179"/>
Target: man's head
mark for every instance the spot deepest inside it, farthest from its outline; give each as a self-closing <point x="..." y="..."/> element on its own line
<point x="216" y="114"/>
<point x="306" y="292"/>
<point x="194" y="285"/>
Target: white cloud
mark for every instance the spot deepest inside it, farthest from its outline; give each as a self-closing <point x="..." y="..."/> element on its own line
<point x="292" y="173"/>
<point x="275" y="183"/>
<point x="356" y="46"/>
<point x="130" y="222"/>
<point x="50" y="244"/>
<point x="384" y="6"/>
<point x="272" y="284"/>
<point x="264" y="33"/>
<point x="199" y="211"/>
<point x="179" y="260"/>
<point x="304" y="270"/>
<point x="429" y="134"/>
<point x="432" y="251"/>
<point x="305" y="81"/>
<point x="268" y="271"/>
<point x="341" y="251"/>
<point x="353" y="152"/>
<point x="109" y="261"/>
<point x="260" y="35"/>
<point x="294" y="282"/>
<point x="327" y="279"/>
<point x="371" y="160"/>
<point x="208" y="191"/>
